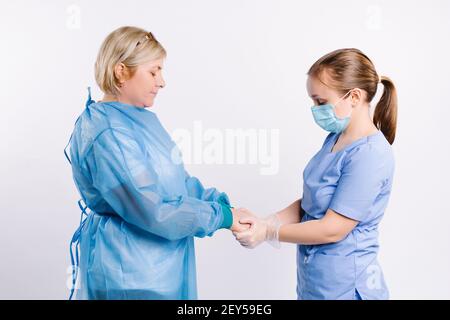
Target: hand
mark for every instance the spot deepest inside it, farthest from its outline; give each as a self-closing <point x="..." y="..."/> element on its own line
<point x="260" y="230"/>
<point x="238" y="215"/>
<point x="254" y="235"/>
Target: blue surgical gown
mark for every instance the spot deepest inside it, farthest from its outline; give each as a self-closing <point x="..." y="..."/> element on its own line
<point x="137" y="242"/>
<point x="355" y="182"/>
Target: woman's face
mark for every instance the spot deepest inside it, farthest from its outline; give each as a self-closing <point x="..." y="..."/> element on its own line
<point x="321" y="94"/>
<point x="141" y="89"/>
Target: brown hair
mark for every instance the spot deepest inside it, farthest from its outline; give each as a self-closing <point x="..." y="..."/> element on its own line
<point x="350" y="68"/>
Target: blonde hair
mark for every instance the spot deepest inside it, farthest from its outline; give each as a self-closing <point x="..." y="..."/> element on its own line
<point x="128" y="45"/>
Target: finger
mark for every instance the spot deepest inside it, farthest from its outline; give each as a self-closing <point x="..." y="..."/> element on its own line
<point x="239" y="232"/>
<point x="242" y="236"/>
<point x="247" y="245"/>
<point x="242" y="229"/>
<point x="247" y="220"/>
<point x="248" y="241"/>
<point x="248" y="231"/>
<point x="244" y="243"/>
<point x="246" y="227"/>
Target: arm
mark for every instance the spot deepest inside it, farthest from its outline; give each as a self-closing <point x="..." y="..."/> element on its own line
<point x="361" y="181"/>
<point x="127" y="181"/>
<point x="363" y="178"/>
<point x="291" y="214"/>
<point x="195" y="189"/>
<point x="333" y="227"/>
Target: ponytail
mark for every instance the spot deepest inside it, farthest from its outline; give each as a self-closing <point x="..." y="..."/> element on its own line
<point x="350" y="68"/>
<point x="385" y="116"/>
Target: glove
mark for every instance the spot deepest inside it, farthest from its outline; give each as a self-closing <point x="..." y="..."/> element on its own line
<point x="260" y="230"/>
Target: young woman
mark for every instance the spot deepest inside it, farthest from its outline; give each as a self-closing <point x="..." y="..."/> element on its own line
<point x="346" y="185"/>
<point x="137" y="241"/>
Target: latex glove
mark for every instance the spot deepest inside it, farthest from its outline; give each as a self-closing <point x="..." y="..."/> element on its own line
<point x="260" y="230"/>
<point x="238" y="216"/>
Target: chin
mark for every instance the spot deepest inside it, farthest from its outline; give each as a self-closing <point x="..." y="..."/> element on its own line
<point x="148" y="104"/>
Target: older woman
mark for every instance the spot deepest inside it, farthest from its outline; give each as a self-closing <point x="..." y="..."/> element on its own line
<point x="137" y="240"/>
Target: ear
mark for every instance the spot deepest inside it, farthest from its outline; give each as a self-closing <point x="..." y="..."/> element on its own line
<point x="356" y="96"/>
<point x="120" y="72"/>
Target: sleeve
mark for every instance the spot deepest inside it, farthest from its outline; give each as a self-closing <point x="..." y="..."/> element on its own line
<point x="360" y="183"/>
<point x="129" y="184"/>
<point x="196" y="189"/>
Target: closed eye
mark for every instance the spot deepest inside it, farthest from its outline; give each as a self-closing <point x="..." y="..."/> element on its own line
<point x="320" y="102"/>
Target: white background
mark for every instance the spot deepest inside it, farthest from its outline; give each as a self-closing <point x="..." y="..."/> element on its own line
<point x="231" y="64"/>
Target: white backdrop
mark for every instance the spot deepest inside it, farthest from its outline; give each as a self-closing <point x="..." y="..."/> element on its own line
<point x="231" y="65"/>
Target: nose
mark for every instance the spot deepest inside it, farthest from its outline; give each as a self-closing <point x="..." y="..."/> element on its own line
<point x="161" y="82"/>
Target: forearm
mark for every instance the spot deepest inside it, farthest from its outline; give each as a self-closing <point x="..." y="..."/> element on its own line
<point x="195" y="189"/>
<point x="308" y="233"/>
<point x="291" y="214"/>
<point x="333" y="227"/>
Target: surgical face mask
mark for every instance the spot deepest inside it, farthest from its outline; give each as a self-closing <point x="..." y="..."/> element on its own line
<point x="325" y="117"/>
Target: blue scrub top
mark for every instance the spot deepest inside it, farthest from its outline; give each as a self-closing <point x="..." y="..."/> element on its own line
<point x="355" y="182"/>
<point x="137" y="242"/>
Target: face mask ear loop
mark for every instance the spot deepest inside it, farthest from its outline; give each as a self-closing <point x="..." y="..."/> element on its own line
<point x="342" y="98"/>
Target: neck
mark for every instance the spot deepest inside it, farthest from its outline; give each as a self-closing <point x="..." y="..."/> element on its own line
<point x="110" y="97"/>
<point x="361" y="124"/>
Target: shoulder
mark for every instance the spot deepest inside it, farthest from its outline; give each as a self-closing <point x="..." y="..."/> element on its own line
<point x="98" y="118"/>
<point x="100" y="125"/>
<point x="374" y="153"/>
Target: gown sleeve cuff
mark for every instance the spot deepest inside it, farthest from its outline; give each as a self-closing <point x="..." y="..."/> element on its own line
<point x="227" y="216"/>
